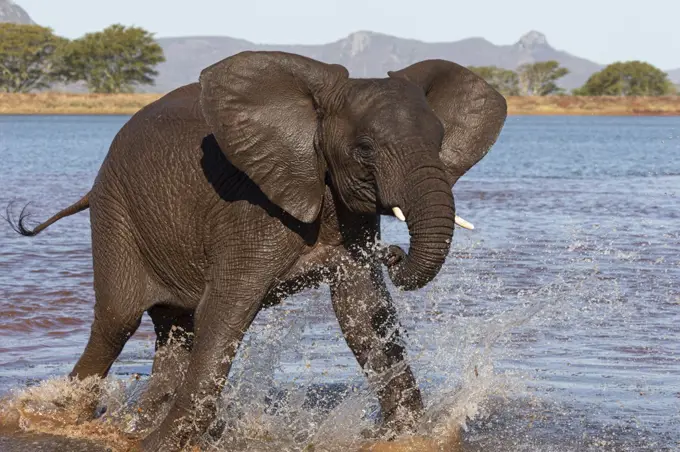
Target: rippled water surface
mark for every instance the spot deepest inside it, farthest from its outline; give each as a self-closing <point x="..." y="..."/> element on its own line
<point x="553" y="326"/>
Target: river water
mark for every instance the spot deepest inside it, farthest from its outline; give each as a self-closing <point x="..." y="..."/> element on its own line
<point x="553" y="326"/>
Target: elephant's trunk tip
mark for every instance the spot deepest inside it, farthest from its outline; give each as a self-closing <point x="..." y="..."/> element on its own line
<point x="431" y="239"/>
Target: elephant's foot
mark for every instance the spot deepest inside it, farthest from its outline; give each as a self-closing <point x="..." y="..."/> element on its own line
<point x="159" y="440"/>
<point x="182" y="427"/>
<point x="401" y="404"/>
<point x="379" y="432"/>
<point x="153" y="404"/>
<point x="150" y="410"/>
<point x="392" y="428"/>
<point x="176" y="441"/>
<point x="453" y="443"/>
<point x="399" y="434"/>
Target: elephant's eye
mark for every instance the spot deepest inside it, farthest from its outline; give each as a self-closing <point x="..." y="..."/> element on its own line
<point x="364" y="150"/>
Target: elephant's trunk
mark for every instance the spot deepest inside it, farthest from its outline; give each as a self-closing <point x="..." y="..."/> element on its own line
<point x="429" y="211"/>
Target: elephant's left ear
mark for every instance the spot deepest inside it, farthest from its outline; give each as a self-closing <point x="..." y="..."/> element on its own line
<point x="472" y="112"/>
<point x="264" y="110"/>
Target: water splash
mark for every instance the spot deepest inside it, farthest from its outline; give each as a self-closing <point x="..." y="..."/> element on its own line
<point x="480" y="341"/>
<point x="61" y="406"/>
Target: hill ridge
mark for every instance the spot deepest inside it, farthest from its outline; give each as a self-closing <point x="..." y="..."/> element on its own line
<point x="367" y="53"/>
<point x="13" y="13"/>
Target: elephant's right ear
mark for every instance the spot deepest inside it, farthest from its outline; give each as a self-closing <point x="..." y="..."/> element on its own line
<point x="263" y="108"/>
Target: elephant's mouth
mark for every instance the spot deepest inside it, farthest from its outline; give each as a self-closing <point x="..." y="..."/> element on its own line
<point x="463" y="223"/>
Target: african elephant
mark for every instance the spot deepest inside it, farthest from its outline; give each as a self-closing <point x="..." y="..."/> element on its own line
<point x="266" y="177"/>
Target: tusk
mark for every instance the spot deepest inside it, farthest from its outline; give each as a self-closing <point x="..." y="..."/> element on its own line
<point x="463" y="223"/>
<point x="398" y="213"/>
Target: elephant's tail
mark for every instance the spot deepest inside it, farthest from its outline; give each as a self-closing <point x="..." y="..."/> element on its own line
<point x="19" y="225"/>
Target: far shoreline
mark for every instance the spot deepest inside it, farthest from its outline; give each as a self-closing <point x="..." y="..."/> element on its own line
<point x="77" y="104"/>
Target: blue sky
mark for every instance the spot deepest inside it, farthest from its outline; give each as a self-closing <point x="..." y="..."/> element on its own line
<point x="600" y="30"/>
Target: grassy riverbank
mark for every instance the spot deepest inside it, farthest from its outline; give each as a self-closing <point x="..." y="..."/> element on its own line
<point x="127" y="104"/>
<point x="599" y="106"/>
<point x="73" y="104"/>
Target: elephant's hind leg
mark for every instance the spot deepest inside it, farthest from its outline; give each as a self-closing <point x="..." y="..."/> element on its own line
<point x="174" y="339"/>
<point x="120" y="285"/>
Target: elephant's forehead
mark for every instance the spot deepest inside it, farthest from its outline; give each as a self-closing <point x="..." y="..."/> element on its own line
<point x="382" y="94"/>
<point x="395" y="109"/>
<point x="385" y="92"/>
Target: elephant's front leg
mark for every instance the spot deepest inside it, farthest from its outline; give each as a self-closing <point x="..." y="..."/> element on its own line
<point x="221" y="320"/>
<point x="369" y="323"/>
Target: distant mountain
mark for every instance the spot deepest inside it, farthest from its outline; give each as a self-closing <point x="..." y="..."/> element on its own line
<point x="13" y="13"/>
<point x="369" y="54"/>
<point x="674" y="75"/>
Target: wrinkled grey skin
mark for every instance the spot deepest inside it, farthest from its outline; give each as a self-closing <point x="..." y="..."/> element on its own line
<point x="268" y="177"/>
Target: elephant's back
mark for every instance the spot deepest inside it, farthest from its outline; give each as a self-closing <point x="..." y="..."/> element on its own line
<point x="158" y="151"/>
<point x="152" y="179"/>
<point x="164" y="129"/>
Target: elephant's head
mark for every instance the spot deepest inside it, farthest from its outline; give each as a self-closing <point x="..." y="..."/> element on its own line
<point x="390" y="146"/>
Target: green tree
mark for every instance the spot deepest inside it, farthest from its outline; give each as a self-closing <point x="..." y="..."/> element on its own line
<point x="28" y="57"/>
<point x="504" y="81"/>
<point x="538" y="79"/>
<point x="630" y="78"/>
<point x="114" y="60"/>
